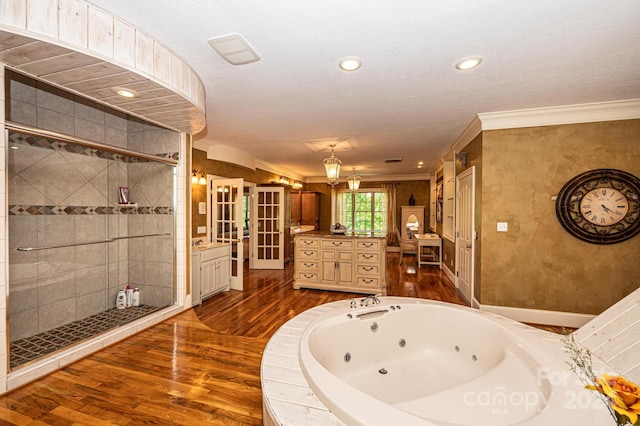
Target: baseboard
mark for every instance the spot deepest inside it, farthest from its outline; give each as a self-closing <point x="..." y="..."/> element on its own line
<point x="539" y="316"/>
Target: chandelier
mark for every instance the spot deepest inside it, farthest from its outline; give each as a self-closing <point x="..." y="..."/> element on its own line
<point x="332" y="167"/>
<point x="353" y="181"/>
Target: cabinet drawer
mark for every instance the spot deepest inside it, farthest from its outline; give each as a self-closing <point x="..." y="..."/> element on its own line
<point x="308" y="276"/>
<point x="367" y="282"/>
<point x="368" y="245"/>
<point x="307" y="254"/>
<point x="337" y="255"/>
<point x="307" y="266"/>
<point x="214" y="253"/>
<point x="307" y="242"/>
<point x="341" y="244"/>
<point x="368" y="269"/>
<point x="367" y="257"/>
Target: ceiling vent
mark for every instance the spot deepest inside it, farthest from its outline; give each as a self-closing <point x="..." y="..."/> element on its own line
<point x="393" y="160"/>
<point x="234" y="49"/>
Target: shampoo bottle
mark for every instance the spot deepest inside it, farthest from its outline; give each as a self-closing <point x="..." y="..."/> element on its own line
<point x="129" y="293"/>
<point x="121" y="300"/>
<point x="136" y="297"/>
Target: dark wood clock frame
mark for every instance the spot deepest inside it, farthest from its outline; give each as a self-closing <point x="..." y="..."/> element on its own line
<point x="598" y="181"/>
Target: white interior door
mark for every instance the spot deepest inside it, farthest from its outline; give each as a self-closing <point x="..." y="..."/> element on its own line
<point x="227" y="222"/>
<point x="267" y="228"/>
<point x="465" y="232"/>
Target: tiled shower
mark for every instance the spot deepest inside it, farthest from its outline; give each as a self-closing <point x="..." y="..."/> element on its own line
<point x="72" y="243"/>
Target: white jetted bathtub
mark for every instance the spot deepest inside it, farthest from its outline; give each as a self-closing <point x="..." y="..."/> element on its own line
<point x="410" y="361"/>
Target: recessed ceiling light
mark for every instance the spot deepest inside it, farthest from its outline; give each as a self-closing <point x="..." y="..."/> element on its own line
<point x="469" y="63"/>
<point x="350" y="63"/>
<point x="125" y="93"/>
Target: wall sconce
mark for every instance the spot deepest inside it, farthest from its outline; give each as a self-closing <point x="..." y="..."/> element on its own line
<point x="462" y="156"/>
<point x="353" y="181"/>
<point x="332" y="167"/>
<point x="198" y="180"/>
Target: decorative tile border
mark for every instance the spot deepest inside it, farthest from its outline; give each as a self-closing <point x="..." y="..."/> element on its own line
<point x="26" y="210"/>
<point x="56" y="145"/>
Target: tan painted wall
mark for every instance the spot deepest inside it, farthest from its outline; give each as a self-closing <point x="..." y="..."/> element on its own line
<point x="537" y="264"/>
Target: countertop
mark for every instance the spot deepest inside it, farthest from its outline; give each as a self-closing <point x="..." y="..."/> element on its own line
<point x="347" y="234"/>
<point x="204" y="246"/>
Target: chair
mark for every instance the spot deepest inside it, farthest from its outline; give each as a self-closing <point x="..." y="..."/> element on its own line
<point x="399" y="238"/>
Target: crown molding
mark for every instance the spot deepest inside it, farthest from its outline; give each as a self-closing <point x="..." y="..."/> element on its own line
<point x="471" y="131"/>
<point x="272" y="168"/>
<point x="386" y="178"/>
<point x="568" y="114"/>
<point x="627" y="109"/>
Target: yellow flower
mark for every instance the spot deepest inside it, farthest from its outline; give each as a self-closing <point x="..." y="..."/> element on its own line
<point x="624" y="396"/>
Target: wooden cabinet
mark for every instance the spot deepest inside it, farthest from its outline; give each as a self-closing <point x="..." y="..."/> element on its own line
<point x="305" y="208"/>
<point x="412" y="222"/>
<point x="210" y="271"/>
<point x="353" y="264"/>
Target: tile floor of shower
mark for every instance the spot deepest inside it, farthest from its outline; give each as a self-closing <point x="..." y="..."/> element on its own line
<point x="31" y="348"/>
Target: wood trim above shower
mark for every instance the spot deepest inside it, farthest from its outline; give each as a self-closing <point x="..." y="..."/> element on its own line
<point x="79" y="47"/>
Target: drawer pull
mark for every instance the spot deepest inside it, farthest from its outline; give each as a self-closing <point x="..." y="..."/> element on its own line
<point x="367" y="244"/>
<point x="308" y="265"/>
<point x="366" y="281"/>
<point x="369" y="269"/>
<point x="367" y="256"/>
<point x="308" y="253"/>
<point x="336" y="243"/>
<point x="308" y="276"/>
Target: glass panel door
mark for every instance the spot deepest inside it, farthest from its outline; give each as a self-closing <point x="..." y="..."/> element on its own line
<point x="227" y="222"/>
<point x="268" y="232"/>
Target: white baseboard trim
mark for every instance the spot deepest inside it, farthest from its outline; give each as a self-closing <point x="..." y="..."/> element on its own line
<point x="539" y="316"/>
<point x="449" y="274"/>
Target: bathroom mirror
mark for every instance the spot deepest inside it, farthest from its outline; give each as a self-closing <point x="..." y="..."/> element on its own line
<point x="412" y="225"/>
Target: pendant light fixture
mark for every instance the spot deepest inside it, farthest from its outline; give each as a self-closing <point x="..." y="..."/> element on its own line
<point x="332" y="167"/>
<point x="353" y="181"/>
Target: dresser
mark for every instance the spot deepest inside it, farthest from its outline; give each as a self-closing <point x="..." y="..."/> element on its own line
<point x="348" y="263"/>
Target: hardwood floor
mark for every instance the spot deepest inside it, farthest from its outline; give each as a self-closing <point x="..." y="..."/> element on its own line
<point x="199" y="367"/>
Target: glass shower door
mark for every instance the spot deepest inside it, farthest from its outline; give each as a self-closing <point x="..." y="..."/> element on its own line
<point x="75" y="244"/>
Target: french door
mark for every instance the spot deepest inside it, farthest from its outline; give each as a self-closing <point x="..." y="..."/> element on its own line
<point x="267" y="228"/>
<point x="227" y="223"/>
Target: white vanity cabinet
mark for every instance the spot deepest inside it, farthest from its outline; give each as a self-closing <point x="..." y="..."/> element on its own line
<point x="210" y="270"/>
<point x="339" y="262"/>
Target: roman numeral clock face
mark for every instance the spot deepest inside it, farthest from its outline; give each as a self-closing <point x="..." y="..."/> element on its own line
<point x="600" y="206"/>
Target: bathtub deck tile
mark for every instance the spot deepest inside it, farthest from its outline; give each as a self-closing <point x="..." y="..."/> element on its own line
<point x="296" y="324"/>
<point x="290" y="362"/>
<point x="290" y="331"/>
<point x="286" y="340"/>
<point x="296" y="415"/>
<point x="284" y="375"/>
<point x="293" y="394"/>
<point x="282" y="349"/>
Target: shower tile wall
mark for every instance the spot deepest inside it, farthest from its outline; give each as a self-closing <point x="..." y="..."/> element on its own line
<point x="67" y="194"/>
<point x="4" y="347"/>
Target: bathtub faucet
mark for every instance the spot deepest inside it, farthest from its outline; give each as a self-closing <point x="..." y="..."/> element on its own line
<point x="371" y="298"/>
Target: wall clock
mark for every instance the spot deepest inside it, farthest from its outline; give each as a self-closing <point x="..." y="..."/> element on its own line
<point x="600" y="206"/>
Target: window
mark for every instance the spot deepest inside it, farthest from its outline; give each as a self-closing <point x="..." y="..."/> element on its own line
<point x="363" y="211"/>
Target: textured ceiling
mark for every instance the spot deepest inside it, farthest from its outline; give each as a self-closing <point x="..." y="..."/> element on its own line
<point x="407" y="100"/>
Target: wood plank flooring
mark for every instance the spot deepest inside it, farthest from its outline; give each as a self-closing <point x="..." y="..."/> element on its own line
<point x="199" y="367"/>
